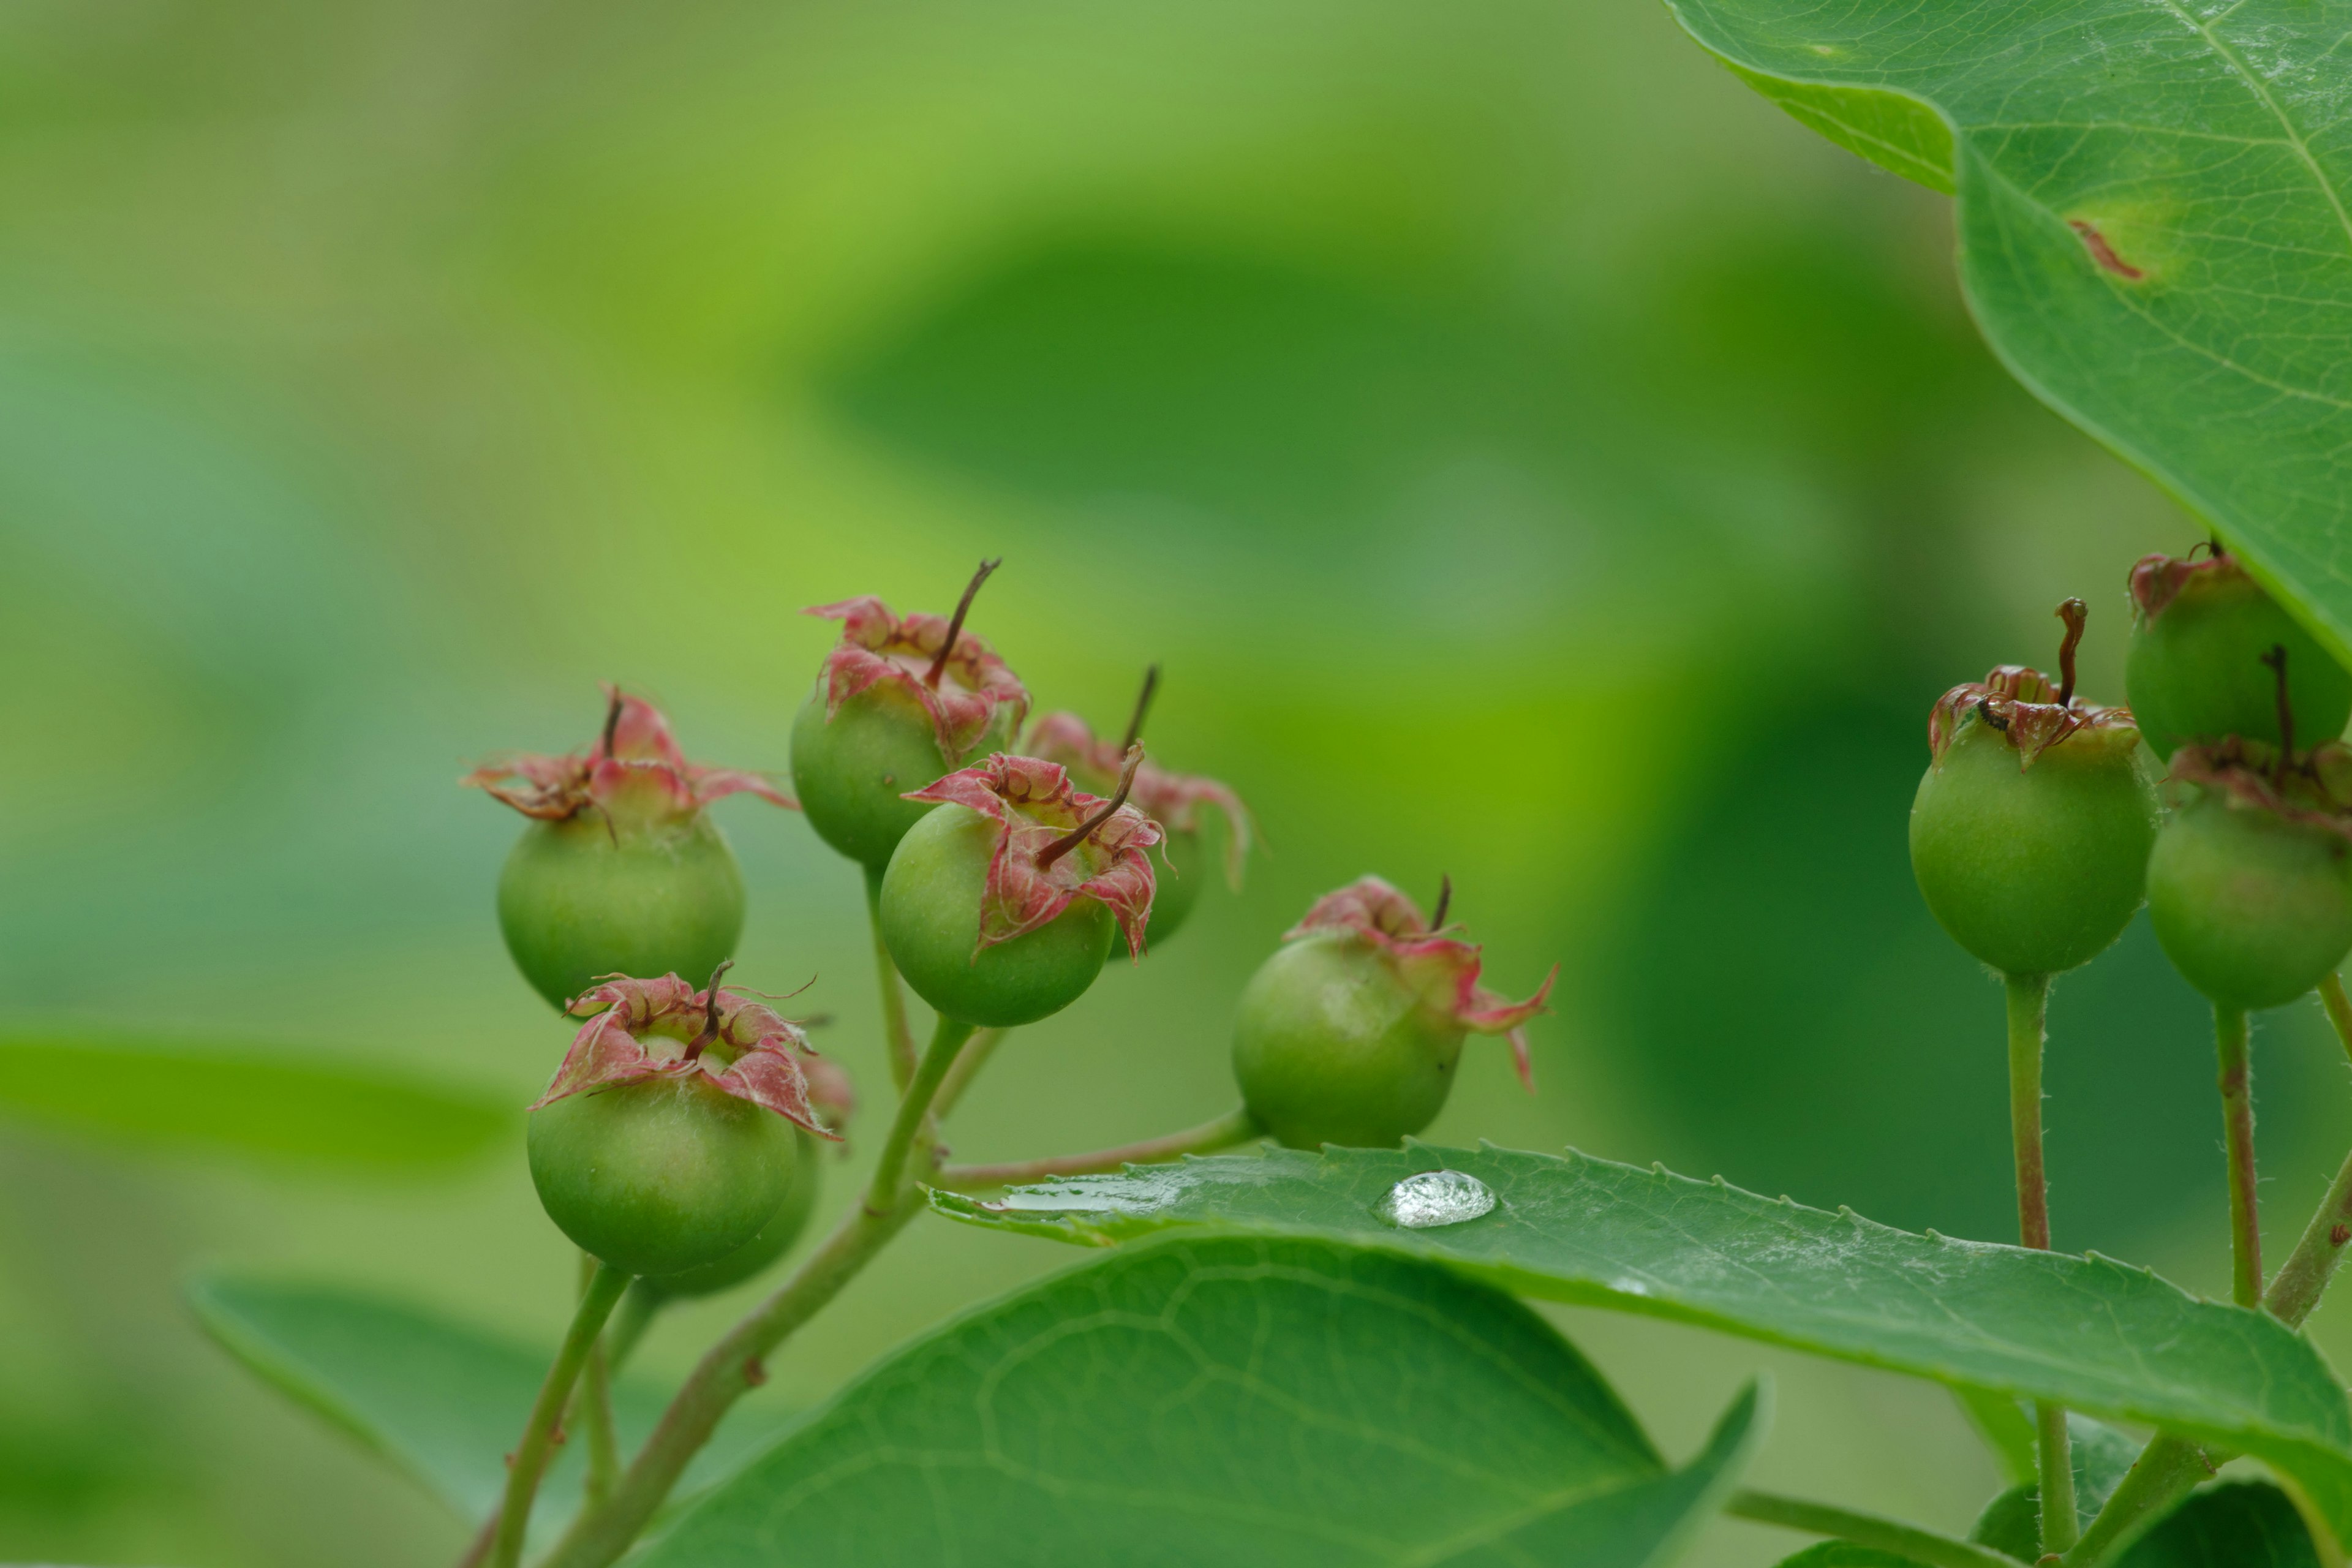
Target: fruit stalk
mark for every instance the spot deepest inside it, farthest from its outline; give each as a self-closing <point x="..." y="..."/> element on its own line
<point x="2340" y="1008"/>
<point x="735" y="1365"/>
<point x="2232" y="1043"/>
<point x="594" y="1406"/>
<point x="2029" y="1000"/>
<point x="530" y="1455"/>
<point x="2169" y="1467"/>
<point x="914" y="1112"/>
<point x="900" y="1038"/>
<point x="1237" y="1126"/>
<point x="968" y="1063"/>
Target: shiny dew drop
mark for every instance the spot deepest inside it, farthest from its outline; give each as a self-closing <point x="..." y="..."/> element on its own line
<point x="1435" y="1198"/>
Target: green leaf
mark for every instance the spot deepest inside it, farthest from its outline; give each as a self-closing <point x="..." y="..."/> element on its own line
<point x="1236" y="1402"/>
<point x="312" y="1111"/>
<point x="2011" y="1523"/>
<point x="1845" y="1554"/>
<point x="441" y="1401"/>
<point x="2232" y="1524"/>
<point x="2089" y="1333"/>
<point x="2155" y="223"/>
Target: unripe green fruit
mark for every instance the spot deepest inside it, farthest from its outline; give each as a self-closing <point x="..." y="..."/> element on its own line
<point x="2253" y="908"/>
<point x="578" y="901"/>
<point x="768" y="1243"/>
<point x="851" y="770"/>
<point x="1331" y="1045"/>
<point x="2033" y="870"/>
<point x="660" y="1175"/>
<point x="1177" y="887"/>
<point x="931" y="898"/>
<point x="2196" y="669"/>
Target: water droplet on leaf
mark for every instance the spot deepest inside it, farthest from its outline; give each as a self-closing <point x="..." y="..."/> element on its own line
<point x="1435" y="1198"/>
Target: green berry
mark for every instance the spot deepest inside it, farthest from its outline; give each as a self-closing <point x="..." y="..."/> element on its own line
<point x="2199" y="669"/>
<point x="660" y="1175"/>
<point x="577" y="902"/>
<point x="768" y="1244"/>
<point x="900" y="703"/>
<point x="931" y="913"/>
<point x="1178" y="802"/>
<point x="2250" y="895"/>
<point x="1184" y="867"/>
<point x="2031" y="831"/>
<point x="1331" y="1045"/>
<point x="852" y="770"/>
<point x="621" y="871"/>
<point x="1352" y="1032"/>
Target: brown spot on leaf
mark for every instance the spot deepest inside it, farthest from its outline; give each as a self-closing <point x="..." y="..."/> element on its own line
<point x="2103" y="253"/>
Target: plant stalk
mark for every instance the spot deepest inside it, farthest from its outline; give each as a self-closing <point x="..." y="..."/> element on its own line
<point x="914" y="1115"/>
<point x="1236" y="1126"/>
<point x="530" y="1455"/>
<point x="594" y="1406"/>
<point x="895" y="1032"/>
<point x="1922" y="1546"/>
<point x="2028" y="1001"/>
<point x="2232" y="1039"/>
<point x="967" y="1068"/>
<point x="2169" y="1467"/>
<point x="634" y="1315"/>
<point x="735" y="1365"/>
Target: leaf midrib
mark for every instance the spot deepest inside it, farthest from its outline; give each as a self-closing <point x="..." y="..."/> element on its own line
<point x="2263" y="95"/>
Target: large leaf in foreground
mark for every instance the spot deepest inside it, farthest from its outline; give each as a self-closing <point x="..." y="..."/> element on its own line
<point x="2086" y="1332"/>
<point x="1236" y="1402"/>
<point x="442" y="1401"/>
<point x="2155" y="222"/>
<point x="315" y="1110"/>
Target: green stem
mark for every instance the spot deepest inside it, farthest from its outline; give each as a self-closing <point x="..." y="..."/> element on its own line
<point x="1235" y="1127"/>
<point x="2232" y="1042"/>
<point x="530" y="1455"/>
<point x="2169" y="1467"/>
<point x="895" y="1032"/>
<point x="638" y="1311"/>
<point x="967" y="1068"/>
<point x="593" y="1405"/>
<point x="2028" y="1001"/>
<point x="2339" y="1009"/>
<point x="1921" y="1546"/>
<point x="2060" y="1524"/>
<point x="736" y="1365"/>
<point x="914" y="1113"/>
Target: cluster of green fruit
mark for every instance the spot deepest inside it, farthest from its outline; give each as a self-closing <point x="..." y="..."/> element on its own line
<point x="675" y="1144"/>
<point x="2040" y="829"/>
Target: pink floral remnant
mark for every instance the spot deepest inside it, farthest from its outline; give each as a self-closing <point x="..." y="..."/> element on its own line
<point x="2022" y="703"/>
<point x="634" y="771"/>
<point x="876" y="646"/>
<point x="1034" y="805"/>
<point x="1175" y="801"/>
<point x="640" y="1029"/>
<point x="1443" y="969"/>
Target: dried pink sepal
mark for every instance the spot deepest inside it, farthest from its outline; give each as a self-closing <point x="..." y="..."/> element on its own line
<point x="1034" y="803"/>
<point x="2023" y="704"/>
<point x="2157" y="580"/>
<point x="2315" y="791"/>
<point x="878" y="645"/>
<point x="1443" y="968"/>
<point x="640" y="1029"/>
<point x="1173" y="800"/>
<point x="643" y="775"/>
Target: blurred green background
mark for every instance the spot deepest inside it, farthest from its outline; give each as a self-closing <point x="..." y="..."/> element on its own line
<point x="1531" y="457"/>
